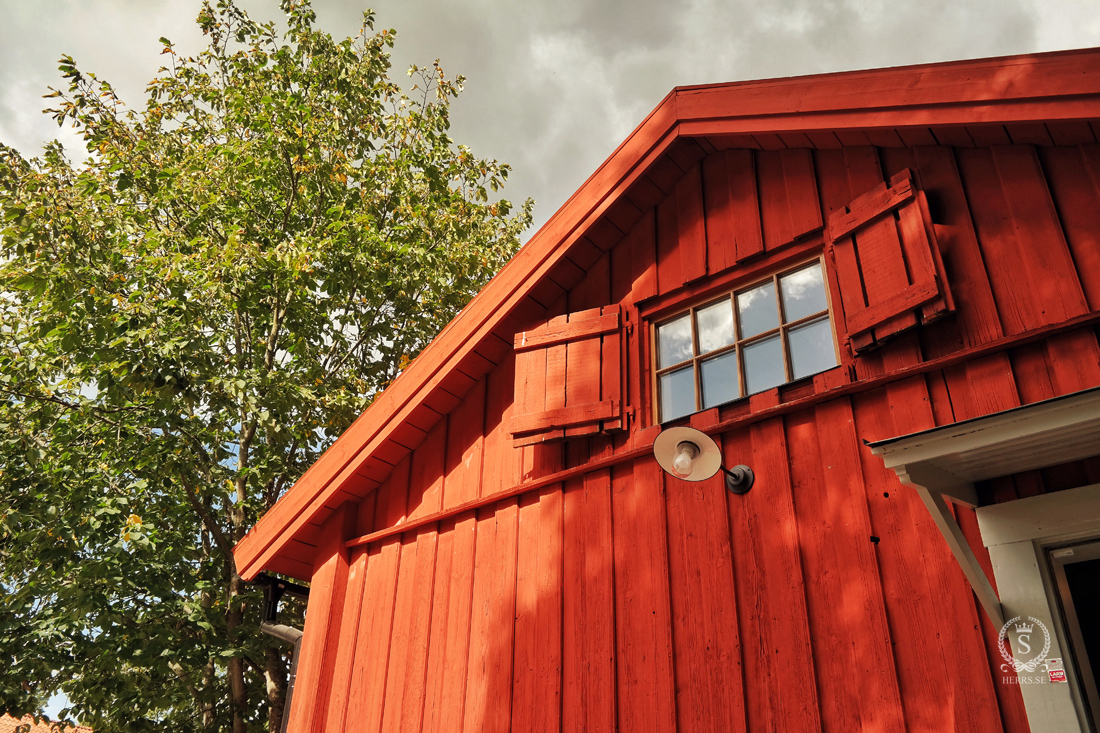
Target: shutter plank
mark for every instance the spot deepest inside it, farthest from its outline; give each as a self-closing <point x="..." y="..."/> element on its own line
<point x="879" y="250"/>
<point x="583" y="372"/>
<point x="884" y="273"/>
<point x="530" y="395"/>
<point x="611" y="371"/>
<point x="850" y="283"/>
<point x="555" y="379"/>
<point x="925" y="265"/>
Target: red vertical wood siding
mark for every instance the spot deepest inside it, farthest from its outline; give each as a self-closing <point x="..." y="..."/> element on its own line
<point x="709" y="687"/>
<point x="588" y="654"/>
<point x="537" y="665"/>
<point x="625" y="599"/>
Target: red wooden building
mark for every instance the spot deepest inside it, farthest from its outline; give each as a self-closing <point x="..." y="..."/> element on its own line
<point x="881" y="291"/>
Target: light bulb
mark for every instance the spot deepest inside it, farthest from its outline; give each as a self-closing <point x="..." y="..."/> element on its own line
<point x="685" y="459"/>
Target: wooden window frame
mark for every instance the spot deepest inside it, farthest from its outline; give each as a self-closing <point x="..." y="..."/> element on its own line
<point x="729" y="294"/>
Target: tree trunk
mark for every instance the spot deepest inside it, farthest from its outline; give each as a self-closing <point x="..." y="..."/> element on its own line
<point x="275" y="674"/>
<point x="238" y="692"/>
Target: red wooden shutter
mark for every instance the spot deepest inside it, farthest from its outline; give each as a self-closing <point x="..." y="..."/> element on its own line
<point x="569" y="377"/>
<point x="887" y="262"/>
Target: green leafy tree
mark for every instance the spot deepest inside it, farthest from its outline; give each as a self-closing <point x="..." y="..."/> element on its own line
<point x="187" y="319"/>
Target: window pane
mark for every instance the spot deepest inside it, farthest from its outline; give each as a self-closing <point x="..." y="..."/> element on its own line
<point x="715" y="326"/>
<point x="757" y="310"/>
<point x="719" y="377"/>
<point x="675" y="341"/>
<point x="677" y="394"/>
<point x="764" y="365"/>
<point x="803" y="293"/>
<point x="812" y="348"/>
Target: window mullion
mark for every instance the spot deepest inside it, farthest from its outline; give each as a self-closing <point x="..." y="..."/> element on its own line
<point x="695" y="361"/>
<point x="782" y="328"/>
<point x="782" y="331"/>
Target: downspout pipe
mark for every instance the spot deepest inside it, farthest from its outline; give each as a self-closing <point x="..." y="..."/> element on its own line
<point x="274" y="588"/>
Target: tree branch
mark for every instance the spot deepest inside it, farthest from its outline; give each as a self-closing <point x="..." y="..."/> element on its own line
<point x="209" y="522"/>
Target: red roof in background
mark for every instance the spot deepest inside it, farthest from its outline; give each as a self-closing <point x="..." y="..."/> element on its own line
<point x="9" y="724"/>
<point x="1052" y="86"/>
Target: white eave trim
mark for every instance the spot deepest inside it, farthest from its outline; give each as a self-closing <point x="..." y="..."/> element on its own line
<point x="942" y="464"/>
<point x="1041" y="434"/>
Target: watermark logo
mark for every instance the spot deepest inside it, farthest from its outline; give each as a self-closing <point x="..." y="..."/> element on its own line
<point x="1022" y="657"/>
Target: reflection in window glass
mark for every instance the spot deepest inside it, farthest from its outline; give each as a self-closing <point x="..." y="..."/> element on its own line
<point x="757" y="310"/>
<point x="719" y="378"/>
<point x="677" y="394"/>
<point x="811" y="348"/>
<point x="764" y="365"/>
<point x="674" y="339"/>
<point x="803" y="293"/>
<point x="715" y="326"/>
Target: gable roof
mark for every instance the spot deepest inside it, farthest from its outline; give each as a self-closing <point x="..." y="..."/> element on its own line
<point x="966" y="102"/>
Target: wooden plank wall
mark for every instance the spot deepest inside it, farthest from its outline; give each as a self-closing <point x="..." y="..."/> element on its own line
<point x="824" y="598"/>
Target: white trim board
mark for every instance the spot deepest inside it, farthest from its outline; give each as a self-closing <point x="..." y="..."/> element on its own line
<point x="1042" y="434"/>
<point x="1018" y="534"/>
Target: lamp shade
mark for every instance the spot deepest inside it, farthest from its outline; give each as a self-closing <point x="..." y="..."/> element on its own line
<point x="705" y="460"/>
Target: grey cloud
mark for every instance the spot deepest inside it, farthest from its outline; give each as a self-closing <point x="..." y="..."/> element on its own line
<point x="553" y="87"/>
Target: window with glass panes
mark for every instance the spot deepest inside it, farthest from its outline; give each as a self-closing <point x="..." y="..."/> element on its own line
<point x="750" y="340"/>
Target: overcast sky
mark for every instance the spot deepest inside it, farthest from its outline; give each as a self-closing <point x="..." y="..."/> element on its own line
<point x="551" y="88"/>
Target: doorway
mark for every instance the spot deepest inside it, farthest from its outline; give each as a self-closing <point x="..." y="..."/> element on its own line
<point x="1076" y="573"/>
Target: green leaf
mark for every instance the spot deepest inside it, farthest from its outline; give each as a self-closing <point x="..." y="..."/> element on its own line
<point x="191" y="313"/>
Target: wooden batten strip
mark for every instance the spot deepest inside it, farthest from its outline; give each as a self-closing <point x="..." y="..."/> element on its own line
<point x="868" y="206"/>
<point x="642" y="444"/>
<point x="564" y="332"/>
<point x="912" y="297"/>
<point x="571" y="416"/>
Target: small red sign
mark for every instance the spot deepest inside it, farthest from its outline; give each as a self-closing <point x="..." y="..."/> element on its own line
<point x="1057" y="675"/>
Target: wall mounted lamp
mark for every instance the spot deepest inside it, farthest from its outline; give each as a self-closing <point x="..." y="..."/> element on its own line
<point x="692" y="455"/>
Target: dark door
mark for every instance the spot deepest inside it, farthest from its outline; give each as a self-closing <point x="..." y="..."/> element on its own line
<point x="1077" y="575"/>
